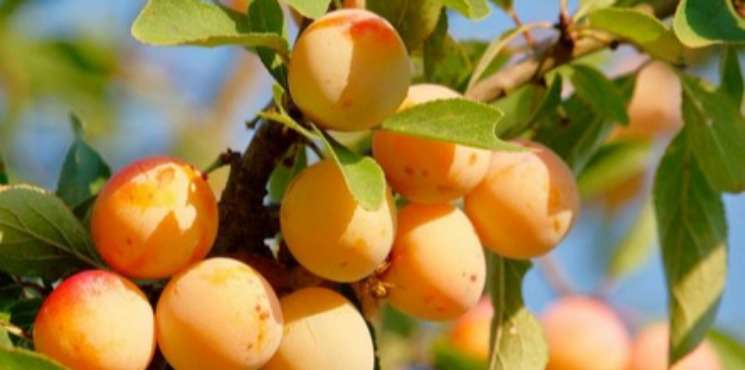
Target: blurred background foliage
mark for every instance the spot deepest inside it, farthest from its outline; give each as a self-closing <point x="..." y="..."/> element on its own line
<point x="62" y="56"/>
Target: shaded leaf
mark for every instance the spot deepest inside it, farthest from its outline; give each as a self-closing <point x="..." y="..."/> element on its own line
<point x="3" y="173"/>
<point x="415" y="20"/>
<point x="266" y="16"/>
<point x="699" y="23"/>
<point x="730" y="76"/>
<point x="598" y="92"/>
<point x="517" y="341"/>
<point x="199" y="23"/>
<point x="587" y="6"/>
<point x="693" y="233"/>
<point x="284" y="173"/>
<point x="21" y="359"/>
<point x="636" y="246"/>
<point x="310" y="8"/>
<point x="83" y="173"/>
<point x="717" y="132"/>
<point x="453" y="120"/>
<point x="640" y="28"/>
<point x="39" y="236"/>
<point x="731" y="352"/>
<point x="445" y="60"/>
<point x="612" y="164"/>
<point x="474" y="9"/>
<point x="527" y="105"/>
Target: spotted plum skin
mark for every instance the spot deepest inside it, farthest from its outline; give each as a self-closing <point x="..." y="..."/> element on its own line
<point x="583" y="333"/>
<point x="437" y="267"/>
<point x="649" y="352"/>
<point x="425" y="170"/>
<point x="526" y="204"/>
<point x="154" y="218"/>
<point x="349" y="70"/>
<point x="323" y="330"/>
<point x="220" y="314"/>
<point x="96" y="320"/>
<point x="328" y="231"/>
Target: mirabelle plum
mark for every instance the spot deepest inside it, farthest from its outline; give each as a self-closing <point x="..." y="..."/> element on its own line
<point x="583" y="333"/>
<point x="322" y="331"/>
<point x="349" y="70"/>
<point x="96" y="320"/>
<point x="654" y="109"/>
<point x="154" y="218"/>
<point x="361" y="4"/>
<point x="424" y="170"/>
<point x="437" y="268"/>
<point x="471" y="332"/>
<point x="328" y="232"/>
<point x="649" y="352"/>
<point x="526" y="204"/>
<point x="220" y="314"/>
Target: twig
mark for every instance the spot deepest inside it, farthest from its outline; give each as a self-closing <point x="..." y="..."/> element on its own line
<point x="224" y="159"/>
<point x="556" y="276"/>
<point x="518" y="22"/>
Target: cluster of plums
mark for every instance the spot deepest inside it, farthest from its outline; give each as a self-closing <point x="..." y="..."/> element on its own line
<point x="584" y="333"/>
<point x="157" y="218"/>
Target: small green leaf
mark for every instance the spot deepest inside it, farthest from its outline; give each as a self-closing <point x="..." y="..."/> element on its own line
<point x="285" y="172"/>
<point x="415" y="20"/>
<point x="199" y="23"/>
<point x="587" y="6"/>
<point x="612" y="164"/>
<point x="731" y="352"/>
<point x="83" y="173"/>
<point x="364" y="177"/>
<point x="496" y="46"/>
<point x="636" y="246"/>
<point x="310" y="8"/>
<point x="474" y="9"/>
<point x="21" y="359"/>
<point x="3" y="173"/>
<point x="505" y="5"/>
<point x="517" y="341"/>
<point x="699" y="23"/>
<point x="598" y="92"/>
<point x="640" y="28"/>
<point x="39" y="236"/>
<point x="717" y="133"/>
<point x="266" y="16"/>
<point x="692" y="229"/>
<point x="445" y="60"/>
<point x="730" y="76"/>
<point x="453" y="120"/>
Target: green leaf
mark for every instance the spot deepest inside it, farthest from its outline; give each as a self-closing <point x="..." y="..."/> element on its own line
<point x="39" y="236"/>
<point x="415" y="20"/>
<point x="445" y="60"/>
<point x="612" y="164"/>
<point x="199" y="23"/>
<point x="266" y="16"/>
<point x="526" y="105"/>
<point x="517" y="341"/>
<point x="474" y="9"/>
<point x="453" y="120"/>
<point x="505" y="5"/>
<point x="83" y="173"/>
<point x="699" y="23"/>
<point x="285" y="172"/>
<point x="587" y="6"/>
<point x="693" y="234"/>
<point x="636" y="246"/>
<point x="364" y="177"/>
<point x="598" y="92"/>
<point x="445" y="357"/>
<point x="730" y="75"/>
<point x="21" y="359"/>
<point x="310" y="8"/>
<point x="731" y="353"/>
<point x="640" y="28"/>
<point x="3" y="173"/>
<point x="717" y="134"/>
<point x="496" y="46"/>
